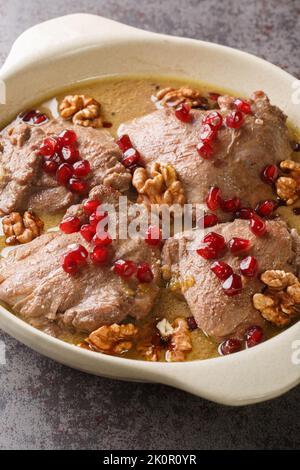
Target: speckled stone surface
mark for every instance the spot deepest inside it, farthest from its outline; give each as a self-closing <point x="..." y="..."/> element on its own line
<point x="44" y="405"/>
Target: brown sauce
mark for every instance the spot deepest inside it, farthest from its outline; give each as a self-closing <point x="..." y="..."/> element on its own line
<point x="122" y="99"/>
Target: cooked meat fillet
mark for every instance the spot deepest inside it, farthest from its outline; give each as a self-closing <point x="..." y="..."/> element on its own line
<point x="24" y="185"/>
<point x="35" y="285"/>
<point x="238" y="155"/>
<point x="217" y="314"/>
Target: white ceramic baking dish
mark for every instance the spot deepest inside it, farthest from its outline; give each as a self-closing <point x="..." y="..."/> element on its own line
<point x="65" y="50"/>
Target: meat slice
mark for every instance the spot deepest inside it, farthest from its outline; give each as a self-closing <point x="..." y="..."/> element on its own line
<point x="239" y="154"/>
<point x="217" y="314"/>
<point x="24" y="185"/>
<point x="34" y="284"/>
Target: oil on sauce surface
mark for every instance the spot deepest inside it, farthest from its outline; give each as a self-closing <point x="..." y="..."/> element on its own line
<point x="123" y="99"/>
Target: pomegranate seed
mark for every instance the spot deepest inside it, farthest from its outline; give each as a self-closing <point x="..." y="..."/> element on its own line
<point x="68" y="137"/>
<point x="70" y="154"/>
<point x="239" y="245"/>
<point x="208" y="220"/>
<point x="64" y="174"/>
<point x="131" y="157"/>
<point x="234" y="120"/>
<point x="244" y="213"/>
<point x="69" y="264"/>
<point x="81" y="168"/>
<point x="269" y="174"/>
<point x="207" y="133"/>
<point x="124" y="268"/>
<point x="213" y="96"/>
<point x="78" y="186"/>
<point x="70" y="225"/>
<point x="74" y="259"/>
<point x="88" y="231"/>
<point x="213" y="198"/>
<point x="232" y="285"/>
<point x="90" y="206"/>
<point x="230" y="346"/>
<point x="266" y="208"/>
<point x="192" y="324"/>
<point x="205" y="150"/>
<point x="243" y="106"/>
<point x="249" y="266"/>
<point x="254" y="336"/>
<point x="107" y="124"/>
<point x="124" y="142"/>
<point x="221" y="270"/>
<point x="212" y="245"/>
<point x="153" y="236"/>
<point x="213" y="119"/>
<point x="258" y="226"/>
<point x="102" y="239"/>
<point x="144" y="273"/>
<point x="99" y="255"/>
<point x="34" y="117"/>
<point x="48" y="147"/>
<point x="95" y="218"/>
<point x="231" y="205"/>
<point x="79" y="253"/>
<point x="182" y="112"/>
<point x="49" y="166"/>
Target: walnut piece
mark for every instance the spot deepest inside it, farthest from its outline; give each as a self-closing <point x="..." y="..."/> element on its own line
<point x="281" y="301"/>
<point x="288" y="187"/>
<point x="175" y="96"/>
<point x="82" y="109"/>
<point x="21" y="229"/>
<point x="113" y="339"/>
<point x="180" y="342"/>
<point x="160" y="187"/>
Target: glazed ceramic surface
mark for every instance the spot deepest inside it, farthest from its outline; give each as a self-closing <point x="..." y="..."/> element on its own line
<point x="66" y="50"/>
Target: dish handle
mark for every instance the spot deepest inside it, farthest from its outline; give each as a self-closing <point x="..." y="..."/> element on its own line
<point x="64" y="34"/>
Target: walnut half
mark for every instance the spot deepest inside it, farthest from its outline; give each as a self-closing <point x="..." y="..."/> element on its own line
<point x="112" y="339"/>
<point x="176" y="96"/>
<point x="83" y="110"/>
<point x="161" y="186"/>
<point x="21" y="229"/>
<point x="288" y="187"/>
<point x="281" y="301"/>
<point x="180" y="341"/>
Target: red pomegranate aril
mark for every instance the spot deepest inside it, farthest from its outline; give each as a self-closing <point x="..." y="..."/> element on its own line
<point x="34" y="117"/>
<point x="266" y="208"/>
<point x="243" y="106"/>
<point x="213" y="119"/>
<point x="234" y="120"/>
<point x="244" y="213"/>
<point x="208" y="220"/>
<point x="124" y="143"/>
<point x="254" y="335"/>
<point x="153" y="236"/>
<point x="74" y="259"/>
<point x="102" y="239"/>
<point x="68" y="137"/>
<point x="81" y="168"/>
<point x="182" y="112"/>
<point x="131" y="157"/>
<point x="207" y="133"/>
<point x="95" y="218"/>
<point x="64" y="174"/>
<point x="258" y="226"/>
<point x="80" y="254"/>
<point x="231" y="205"/>
<point x="78" y="186"/>
<point x="205" y="150"/>
<point x="48" y="147"/>
<point x="70" y="154"/>
<point x="212" y="246"/>
<point x="269" y="174"/>
<point x="249" y="266"/>
<point x="99" y="255"/>
<point x="124" y="268"/>
<point x="69" y="264"/>
<point x="144" y="273"/>
<point x="88" y="231"/>
<point x="90" y="206"/>
<point x="221" y="270"/>
<point x="213" y="198"/>
<point x="239" y="245"/>
<point x="232" y="285"/>
<point x="192" y="324"/>
<point x="49" y="167"/>
<point x="230" y="346"/>
<point x="70" y="225"/>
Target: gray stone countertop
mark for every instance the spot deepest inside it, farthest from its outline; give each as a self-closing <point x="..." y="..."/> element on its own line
<point x="44" y="405"/>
